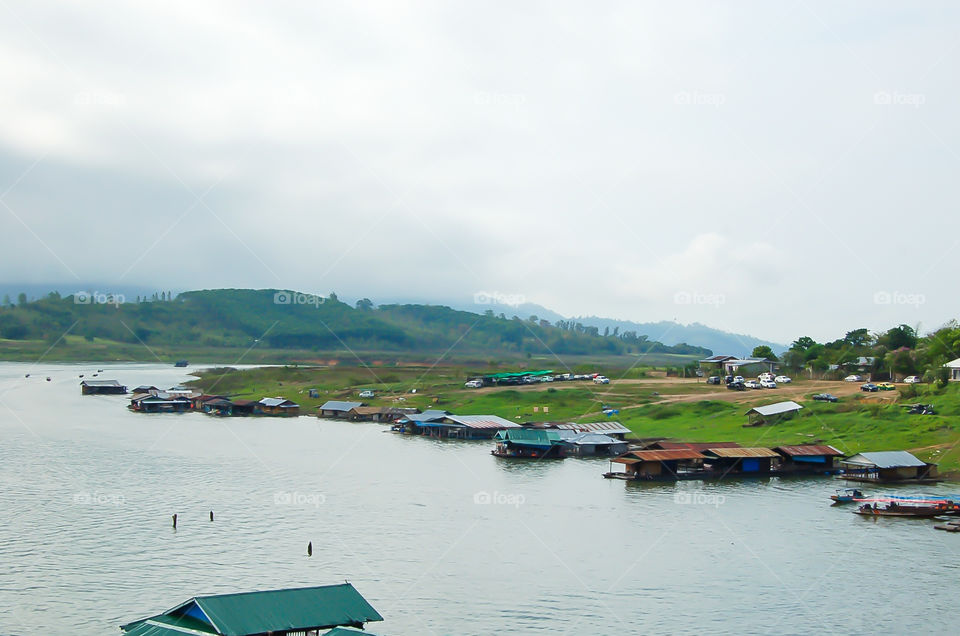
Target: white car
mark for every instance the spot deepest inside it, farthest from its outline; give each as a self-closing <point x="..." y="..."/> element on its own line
<point x="765" y="376"/>
<point x="768" y="384"/>
<point x="752" y="384"/>
<point x="366" y="393"/>
<point x="601" y="379"/>
<point x="853" y="378"/>
<point x="782" y="379"/>
<point x="912" y="379"/>
<point x="473" y="384"/>
<point x="738" y="378"/>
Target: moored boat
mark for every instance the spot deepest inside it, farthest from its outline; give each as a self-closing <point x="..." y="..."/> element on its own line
<point x="846" y="495"/>
<point x="904" y="508"/>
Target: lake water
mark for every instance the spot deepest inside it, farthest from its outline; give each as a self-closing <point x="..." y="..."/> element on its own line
<point x="441" y="537"/>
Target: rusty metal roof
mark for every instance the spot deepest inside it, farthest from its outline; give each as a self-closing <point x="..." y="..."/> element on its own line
<point x="808" y="450"/>
<point x="613" y="427"/>
<point x="737" y="453"/>
<point x="664" y="455"/>
<point x="697" y="446"/>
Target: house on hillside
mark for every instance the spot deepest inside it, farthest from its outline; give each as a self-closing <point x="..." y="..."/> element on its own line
<point x="287" y="612"/>
<point x="102" y="387"/>
<point x="954" y="368"/>
<point x="772" y="413"/>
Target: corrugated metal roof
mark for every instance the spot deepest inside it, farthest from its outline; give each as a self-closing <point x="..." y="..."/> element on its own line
<point x="808" y="450"/>
<point x="482" y="421"/>
<point x="775" y="409"/>
<point x="736" y="453"/>
<point x="529" y="436"/>
<point x="280" y="610"/>
<point x="664" y="455"/>
<point x="277" y="401"/>
<point x="338" y="405"/>
<point x="594" y="427"/>
<point x="697" y="446"/>
<point x="347" y="631"/>
<point x="885" y="459"/>
<point x="100" y="383"/>
<point x="168" y="626"/>
<point x="592" y="438"/>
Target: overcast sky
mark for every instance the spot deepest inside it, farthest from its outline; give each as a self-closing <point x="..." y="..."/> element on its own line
<point x="775" y="168"/>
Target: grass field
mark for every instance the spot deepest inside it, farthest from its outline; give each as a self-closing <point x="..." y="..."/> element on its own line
<point x="650" y="404"/>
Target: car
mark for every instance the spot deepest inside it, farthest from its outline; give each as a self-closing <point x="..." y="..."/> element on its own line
<point x="782" y="379"/>
<point x="736" y="386"/>
<point x="912" y="379"/>
<point x="366" y="393"/>
<point x="727" y="379"/>
<point x="738" y="378"/>
<point x="886" y="386"/>
<point x="713" y="379"/>
<point x="825" y="397"/>
<point x="853" y="378"/>
<point x="765" y="376"/>
<point x="752" y="384"/>
<point x="473" y="384"/>
<point x="869" y="387"/>
<point x="600" y="379"/>
<point x="768" y="384"/>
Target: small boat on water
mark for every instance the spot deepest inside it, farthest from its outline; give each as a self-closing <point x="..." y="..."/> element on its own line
<point x="846" y="495"/>
<point x="904" y="508"/>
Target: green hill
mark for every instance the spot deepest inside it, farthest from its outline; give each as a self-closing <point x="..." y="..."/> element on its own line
<point x="281" y="320"/>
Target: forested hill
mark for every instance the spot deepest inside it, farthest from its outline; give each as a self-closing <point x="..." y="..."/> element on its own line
<point x="287" y="320"/>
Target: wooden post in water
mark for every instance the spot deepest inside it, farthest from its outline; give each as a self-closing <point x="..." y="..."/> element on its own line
<point x="211" y="515"/>
<point x="310" y="549"/>
<point x="174" y="521"/>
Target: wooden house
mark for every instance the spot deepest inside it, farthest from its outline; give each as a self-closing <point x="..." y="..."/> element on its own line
<point x="807" y="458"/>
<point x="102" y="387"/>
<point x="279" y="406"/>
<point x="657" y="465"/>
<point x="528" y="443"/>
<point x="337" y="408"/>
<point x="888" y="466"/>
<point x="741" y="461"/>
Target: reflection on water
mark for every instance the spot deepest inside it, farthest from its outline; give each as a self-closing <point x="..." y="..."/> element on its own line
<point x="440" y="536"/>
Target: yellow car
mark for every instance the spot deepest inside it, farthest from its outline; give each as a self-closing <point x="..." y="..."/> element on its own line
<point x="886" y="386"/>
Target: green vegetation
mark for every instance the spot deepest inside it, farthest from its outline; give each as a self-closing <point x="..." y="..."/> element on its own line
<point x="296" y="327"/>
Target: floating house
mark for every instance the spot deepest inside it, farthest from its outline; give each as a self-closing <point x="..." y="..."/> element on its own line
<point x="807" y="458"/>
<point x="462" y="426"/>
<point x="183" y="391"/>
<point x="144" y="388"/>
<point x="419" y="423"/>
<point x="298" y="611"/>
<point x="888" y="466"/>
<point x="659" y="465"/>
<point x="611" y="428"/>
<point x="740" y="461"/>
<point x="279" y="406"/>
<point x="590" y="444"/>
<point x="379" y="413"/>
<point x="772" y="413"/>
<point x="102" y="387"/>
<point x="244" y="407"/>
<point x="160" y="402"/>
<point x="528" y="443"/>
<point x="337" y="408"/>
<point x="217" y="406"/>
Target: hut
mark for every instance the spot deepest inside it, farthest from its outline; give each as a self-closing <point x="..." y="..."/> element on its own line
<point x="590" y="444"/>
<point x="888" y="466"/>
<point x="612" y="428"/>
<point x="244" y="407"/>
<point x="102" y="387"/>
<point x="279" y="406"/>
<point x="807" y="458"/>
<point x="656" y="465"/>
<point x="528" y="443"/>
<point x="336" y="408"/>
<point x="475" y="426"/>
<point x="217" y="406"/>
<point x="145" y="388"/>
<point x="420" y="423"/>
<point x="161" y="402"/>
<point x="740" y="461"/>
<point x="772" y="413"/>
<point x="287" y="612"/>
<point x="379" y="413"/>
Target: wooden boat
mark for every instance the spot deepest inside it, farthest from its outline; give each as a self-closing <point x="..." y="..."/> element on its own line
<point x="846" y="495"/>
<point x="894" y="509"/>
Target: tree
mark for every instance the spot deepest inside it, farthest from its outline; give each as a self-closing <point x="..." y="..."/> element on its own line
<point x="763" y="351"/>
<point x="793" y="359"/>
<point x="899" y="337"/>
<point x="802" y="344"/>
<point x="21" y="299"/>
<point x="364" y="304"/>
<point x="858" y="338"/>
<point x="333" y="297"/>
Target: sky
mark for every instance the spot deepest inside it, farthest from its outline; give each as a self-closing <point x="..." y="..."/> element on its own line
<point x="771" y="168"/>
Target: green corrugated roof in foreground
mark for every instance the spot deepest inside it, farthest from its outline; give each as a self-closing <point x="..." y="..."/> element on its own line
<point x="347" y="631"/>
<point x="168" y="626"/>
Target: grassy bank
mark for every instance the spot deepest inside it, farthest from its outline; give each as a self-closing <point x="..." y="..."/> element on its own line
<point x="650" y="404"/>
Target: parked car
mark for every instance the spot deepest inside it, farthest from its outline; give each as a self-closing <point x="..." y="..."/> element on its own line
<point x="768" y="384"/>
<point x="912" y="379"/>
<point x="752" y="384"/>
<point x="853" y="378"/>
<point x="782" y="379"/>
<point x="825" y="397"/>
<point x="886" y="386"/>
<point x="473" y="384"/>
<point x="765" y="376"/>
<point x="713" y="379"/>
<point x="366" y="393"/>
<point x="601" y="379"/>
<point x="738" y="378"/>
<point x="869" y="387"/>
<point x="736" y="386"/>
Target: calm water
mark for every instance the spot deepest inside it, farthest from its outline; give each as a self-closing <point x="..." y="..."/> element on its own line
<point x="86" y="540"/>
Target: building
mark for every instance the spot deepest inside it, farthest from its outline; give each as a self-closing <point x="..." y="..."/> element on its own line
<point x="379" y="413"/>
<point x="888" y="466"/>
<point x="772" y="413"/>
<point x="612" y="428"/>
<point x="244" y="407"/>
<point x="714" y="364"/>
<point x="807" y="458"/>
<point x="590" y="444"/>
<point x="420" y="423"/>
<point x="183" y="391"/>
<point x="533" y="443"/>
<point x="102" y="387"/>
<point x="732" y="365"/>
<point x="279" y="406"/>
<point x="144" y="388"/>
<point x="216" y="406"/>
<point x="298" y="611"/>
<point x="657" y="465"/>
<point x="740" y="461"/>
<point x="461" y="426"/>
<point x="337" y="408"/>
<point x="159" y="402"/>
<point x="954" y="368"/>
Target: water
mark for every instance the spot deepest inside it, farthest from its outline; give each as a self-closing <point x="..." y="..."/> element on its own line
<point x="89" y="488"/>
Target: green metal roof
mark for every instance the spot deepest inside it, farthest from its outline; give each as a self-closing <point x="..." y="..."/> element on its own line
<point x="168" y="626"/>
<point x="347" y="631"/>
<point x="248" y="613"/>
<point x="529" y="436"/>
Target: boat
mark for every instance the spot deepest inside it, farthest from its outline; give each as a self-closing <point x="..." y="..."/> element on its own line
<point x="846" y="495"/>
<point x="904" y="509"/>
<point x="180" y="363"/>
